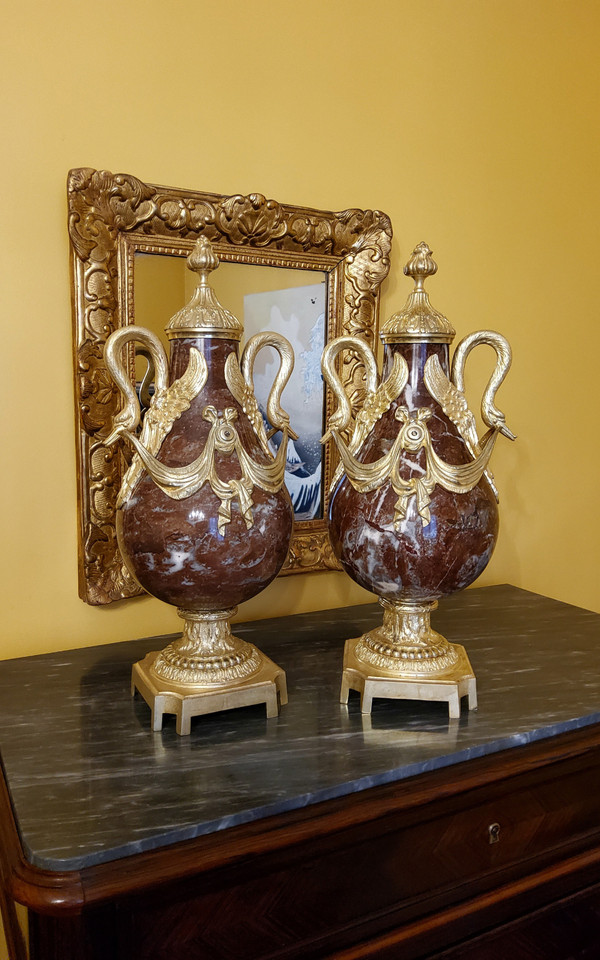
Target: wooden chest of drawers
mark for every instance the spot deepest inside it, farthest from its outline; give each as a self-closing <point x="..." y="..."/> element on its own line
<point x="488" y="856"/>
<point x="403" y="870"/>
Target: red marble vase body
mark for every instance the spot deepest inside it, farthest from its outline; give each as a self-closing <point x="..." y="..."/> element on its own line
<point x="415" y="562"/>
<point x="174" y="548"/>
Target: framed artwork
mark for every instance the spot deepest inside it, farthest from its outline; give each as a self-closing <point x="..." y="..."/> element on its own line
<point x="121" y="229"/>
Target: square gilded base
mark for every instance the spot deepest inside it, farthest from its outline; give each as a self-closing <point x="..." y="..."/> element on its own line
<point x="450" y="685"/>
<point x="267" y="685"/>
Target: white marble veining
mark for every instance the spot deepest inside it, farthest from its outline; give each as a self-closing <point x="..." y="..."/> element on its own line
<point x="90" y="781"/>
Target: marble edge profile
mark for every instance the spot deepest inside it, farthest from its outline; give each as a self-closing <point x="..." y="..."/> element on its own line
<point x="397" y="774"/>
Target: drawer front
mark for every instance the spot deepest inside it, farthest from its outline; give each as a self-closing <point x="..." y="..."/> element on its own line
<point x="393" y="870"/>
<point x="567" y="929"/>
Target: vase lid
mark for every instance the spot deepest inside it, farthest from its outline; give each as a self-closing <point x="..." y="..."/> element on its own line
<point x="418" y="320"/>
<point x="204" y="315"/>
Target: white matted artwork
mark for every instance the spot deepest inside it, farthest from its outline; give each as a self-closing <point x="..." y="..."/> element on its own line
<point x="299" y="314"/>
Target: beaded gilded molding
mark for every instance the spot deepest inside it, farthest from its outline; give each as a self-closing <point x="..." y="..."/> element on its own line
<point x="111" y="216"/>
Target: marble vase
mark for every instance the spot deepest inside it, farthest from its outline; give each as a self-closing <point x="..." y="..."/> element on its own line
<point x="204" y="520"/>
<point x="413" y="513"/>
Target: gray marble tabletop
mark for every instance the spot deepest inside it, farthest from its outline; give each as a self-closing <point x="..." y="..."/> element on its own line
<point x="90" y="782"/>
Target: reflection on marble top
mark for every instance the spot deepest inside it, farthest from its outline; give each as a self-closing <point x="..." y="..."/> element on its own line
<point x="90" y="782"/>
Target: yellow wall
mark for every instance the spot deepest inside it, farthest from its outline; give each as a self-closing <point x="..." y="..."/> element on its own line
<point x="473" y="123"/>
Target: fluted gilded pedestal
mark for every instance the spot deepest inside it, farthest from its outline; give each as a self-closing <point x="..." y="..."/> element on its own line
<point x="204" y="520"/>
<point x="413" y="513"/>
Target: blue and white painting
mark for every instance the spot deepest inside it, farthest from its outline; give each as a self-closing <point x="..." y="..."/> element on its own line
<point x="299" y="314"/>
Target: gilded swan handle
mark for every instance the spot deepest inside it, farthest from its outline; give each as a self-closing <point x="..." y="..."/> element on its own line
<point x="277" y="417"/>
<point x="128" y="419"/>
<point x="491" y="415"/>
<point x="342" y="415"/>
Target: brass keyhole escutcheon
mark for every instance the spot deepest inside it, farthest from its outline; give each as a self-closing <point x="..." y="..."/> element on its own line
<point x="494" y="832"/>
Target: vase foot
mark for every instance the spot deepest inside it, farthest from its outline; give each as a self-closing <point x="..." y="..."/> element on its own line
<point x="448" y="685"/>
<point x="266" y="685"/>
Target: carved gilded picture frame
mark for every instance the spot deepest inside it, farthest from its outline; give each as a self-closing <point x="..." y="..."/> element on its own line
<point x="114" y="216"/>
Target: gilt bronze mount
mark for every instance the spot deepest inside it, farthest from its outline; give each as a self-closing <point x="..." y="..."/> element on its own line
<point x="207" y="670"/>
<point x="405" y="659"/>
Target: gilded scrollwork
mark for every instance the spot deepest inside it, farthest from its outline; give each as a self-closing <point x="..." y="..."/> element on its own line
<point x="311" y="551"/>
<point x="95" y="388"/>
<point x="109" y="214"/>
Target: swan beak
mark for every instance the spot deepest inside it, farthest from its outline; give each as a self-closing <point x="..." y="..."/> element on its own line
<point x="113" y="437"/>
<point x="507" y="433"/>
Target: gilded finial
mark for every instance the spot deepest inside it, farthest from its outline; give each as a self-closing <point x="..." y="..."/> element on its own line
<point x="204" y="315"/>
<point x="418" y="320"/>
<point x="421" y="265"/>
<point x="203" y="259"/>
